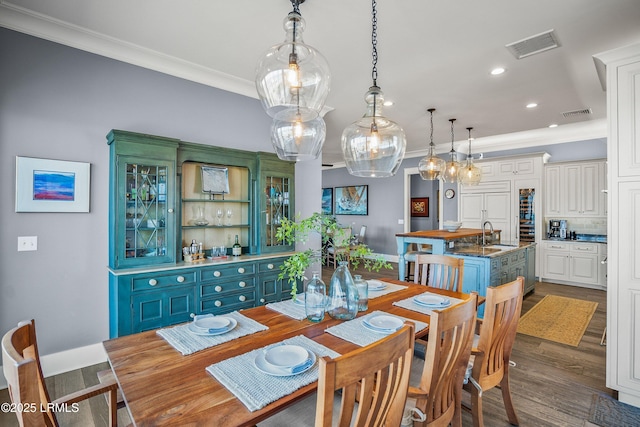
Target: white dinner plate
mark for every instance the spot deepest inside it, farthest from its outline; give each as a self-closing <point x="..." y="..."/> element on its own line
<point x="376" y="285"/>
<point x="262" y="365"/>
<point x="432" y="301"/>
<point x="213" y="322"/>
<point x="383" y="323"/>
<point x="199" y="331"/>
<point x="286" y="356"/>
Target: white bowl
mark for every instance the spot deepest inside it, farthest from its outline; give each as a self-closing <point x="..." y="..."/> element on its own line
<point x="452" y="225"/>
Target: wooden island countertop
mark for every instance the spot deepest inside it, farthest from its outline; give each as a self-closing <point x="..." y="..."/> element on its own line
<point x="444" y="234"/>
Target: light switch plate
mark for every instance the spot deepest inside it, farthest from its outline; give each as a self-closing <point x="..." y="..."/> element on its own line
<point x="27" y="243"/>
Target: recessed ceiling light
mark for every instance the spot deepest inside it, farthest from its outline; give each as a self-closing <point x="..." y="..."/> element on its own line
<point x="497" y="71"/>
<point x="532" y="105"/>
<point x="388" y="103"/>
<point x="553" y="125"/>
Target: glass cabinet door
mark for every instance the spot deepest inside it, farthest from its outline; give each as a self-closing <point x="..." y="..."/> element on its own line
<point x="278" y="194"/>
<point x="146" y="216"/>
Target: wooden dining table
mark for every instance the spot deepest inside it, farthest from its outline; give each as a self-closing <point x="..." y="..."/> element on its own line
<point x="160" y="386"/>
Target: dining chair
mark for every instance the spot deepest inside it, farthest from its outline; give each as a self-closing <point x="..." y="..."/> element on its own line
<point x="410" y="258"/>
<point x="489" y="365"/>
<point x="360" y="236"/>
<point x="439" y="271"/>
<point x="439" y="394"/>
<point x="338" y="249"/>
<point x="27" y="388"/>
<point x="375" y="376"/>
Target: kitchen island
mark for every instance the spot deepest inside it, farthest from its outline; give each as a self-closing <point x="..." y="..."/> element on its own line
<point x="484" y="266"/>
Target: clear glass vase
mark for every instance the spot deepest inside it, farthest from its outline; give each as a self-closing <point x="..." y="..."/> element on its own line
<point x="343" y="295"/>
<point x="315" y="299"/>
<point x="363" y="292"/>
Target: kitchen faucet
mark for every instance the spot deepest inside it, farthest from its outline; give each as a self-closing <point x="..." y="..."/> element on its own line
<point x="484" y="225"/>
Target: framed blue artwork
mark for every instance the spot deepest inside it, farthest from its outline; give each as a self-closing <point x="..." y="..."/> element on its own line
<point x="351" y="200"/>
<point x="327" y="201"/>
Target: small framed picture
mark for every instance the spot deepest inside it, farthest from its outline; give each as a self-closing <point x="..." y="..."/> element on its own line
<point x="420" y="206"/>
<point x="44" y="185"/>
<point x="327" y="201"/>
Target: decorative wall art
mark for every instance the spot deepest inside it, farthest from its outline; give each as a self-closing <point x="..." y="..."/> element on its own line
<point x="44" y="185"/>
<point x="327" y="201"/>
<point x="420" y="206"/>
<point x="215" y="180"/>
<point x="352" y="200"/>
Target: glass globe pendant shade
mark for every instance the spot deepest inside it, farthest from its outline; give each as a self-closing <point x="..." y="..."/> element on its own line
<point x="296" y="136"/>
<point x="451" y="170"/>
<point x="373" y="146"/>
<point x="470" y="174"/>
<point x="431" y="166"/>
<point x="292" y="74"/>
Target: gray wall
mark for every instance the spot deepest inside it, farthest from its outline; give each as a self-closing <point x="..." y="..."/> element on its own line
<point x="386" y="196"/>
<point x="59" y="103"/>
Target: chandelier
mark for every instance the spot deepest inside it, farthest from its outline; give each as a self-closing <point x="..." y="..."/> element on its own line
<point x="374" y="145"/>
<point x="470" y="174"/>
<point x="431" y="166"/>
<point x="292" y="80"/>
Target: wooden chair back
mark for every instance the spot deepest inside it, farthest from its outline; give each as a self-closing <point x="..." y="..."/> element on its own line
<point x="439" y="395"/>
<point x="338" y="249"/>
<point x="375" y="376"/>
<point x="22" y="369"/>
<point x="497" y="336"/>
<point x="439" y="271"/>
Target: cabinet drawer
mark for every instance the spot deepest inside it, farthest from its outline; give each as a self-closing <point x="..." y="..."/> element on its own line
<point x="227" y="271"/>
<point x="154" y="281"/>
<point x="591" y="248"/>
<point x="268" y="266"/>
<point x="211" y="289"/>
<point x="555" y="246"/>
<point x="228" y="302"/>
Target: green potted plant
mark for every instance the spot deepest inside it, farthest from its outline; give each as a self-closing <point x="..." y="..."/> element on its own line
<point x="293" y="269"/>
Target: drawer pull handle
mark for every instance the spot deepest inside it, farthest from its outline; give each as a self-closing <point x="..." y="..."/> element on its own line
<point x="218" y="303"/>
<point x="218" y="288"/>
<point x="242" y="284"/>
<point x="180" y="279"/>
<point x="153" y="282"/>
<point x="270" y="266"/>
<point x="216" y="273"/>
<point x="241" y="270"/>
<point x="242" y="298"/>
<point x="556" y="247"/>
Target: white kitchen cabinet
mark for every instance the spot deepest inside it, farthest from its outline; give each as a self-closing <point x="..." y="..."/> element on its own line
<point x="494" y="207"/>
<point x="623" y="278"/>
<point x="575" y="189"/>
<point x="573" y="263"/>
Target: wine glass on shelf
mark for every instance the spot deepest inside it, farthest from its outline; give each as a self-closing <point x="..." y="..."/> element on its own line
<point x="219" y="214"/>
<point x="229" y="214"/>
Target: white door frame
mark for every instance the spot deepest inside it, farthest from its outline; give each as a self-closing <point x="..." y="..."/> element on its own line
<point x="408" y="172"/>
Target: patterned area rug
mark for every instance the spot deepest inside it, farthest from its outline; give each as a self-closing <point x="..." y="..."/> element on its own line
<point x="608" y="412"/>
<point x="558" y="319"/>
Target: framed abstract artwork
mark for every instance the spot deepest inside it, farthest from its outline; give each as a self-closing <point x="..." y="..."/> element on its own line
<point x="327" y="201"/>
<point x="420" y="206"/>
<point x="352" y="200"/>
<point x="44" y="185"/>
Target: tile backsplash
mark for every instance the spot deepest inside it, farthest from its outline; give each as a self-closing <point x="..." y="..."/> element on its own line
<point x="584" y="225"/>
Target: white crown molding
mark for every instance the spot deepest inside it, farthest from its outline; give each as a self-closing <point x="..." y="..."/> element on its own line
<point x="29" y="22"/>
<point x="583" y="131"/>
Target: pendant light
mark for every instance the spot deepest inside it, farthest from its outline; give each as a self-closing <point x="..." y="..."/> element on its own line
<point x="292" y="80"/>
<point x="374" y="145"/>
<point x="452" y="167"/>
<point x="431" y="167"/>
<point x="470" y="174"/>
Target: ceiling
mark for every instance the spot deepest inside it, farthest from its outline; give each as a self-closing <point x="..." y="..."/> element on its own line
<point x="435" y="53"/>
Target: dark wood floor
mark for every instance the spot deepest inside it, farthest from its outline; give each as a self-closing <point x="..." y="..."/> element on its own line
<point x="552" y="384"/>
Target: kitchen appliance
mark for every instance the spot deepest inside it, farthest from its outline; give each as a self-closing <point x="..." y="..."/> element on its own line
<point x="558" y="229"/>
<point x="527" y="217"/>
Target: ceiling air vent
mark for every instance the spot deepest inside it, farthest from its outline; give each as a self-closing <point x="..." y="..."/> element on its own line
<point x="576" y="113"/>
<point x="534" y="44"/>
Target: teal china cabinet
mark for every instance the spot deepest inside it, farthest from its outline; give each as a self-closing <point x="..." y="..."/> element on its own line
<point x="166" y="194"/>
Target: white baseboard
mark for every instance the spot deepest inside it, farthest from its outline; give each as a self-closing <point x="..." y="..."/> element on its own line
<point x="68" y="360"/>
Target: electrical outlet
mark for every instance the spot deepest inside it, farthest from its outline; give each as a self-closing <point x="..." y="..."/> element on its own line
<point x="401" y="222"/>
<point x="27" y="243"/>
